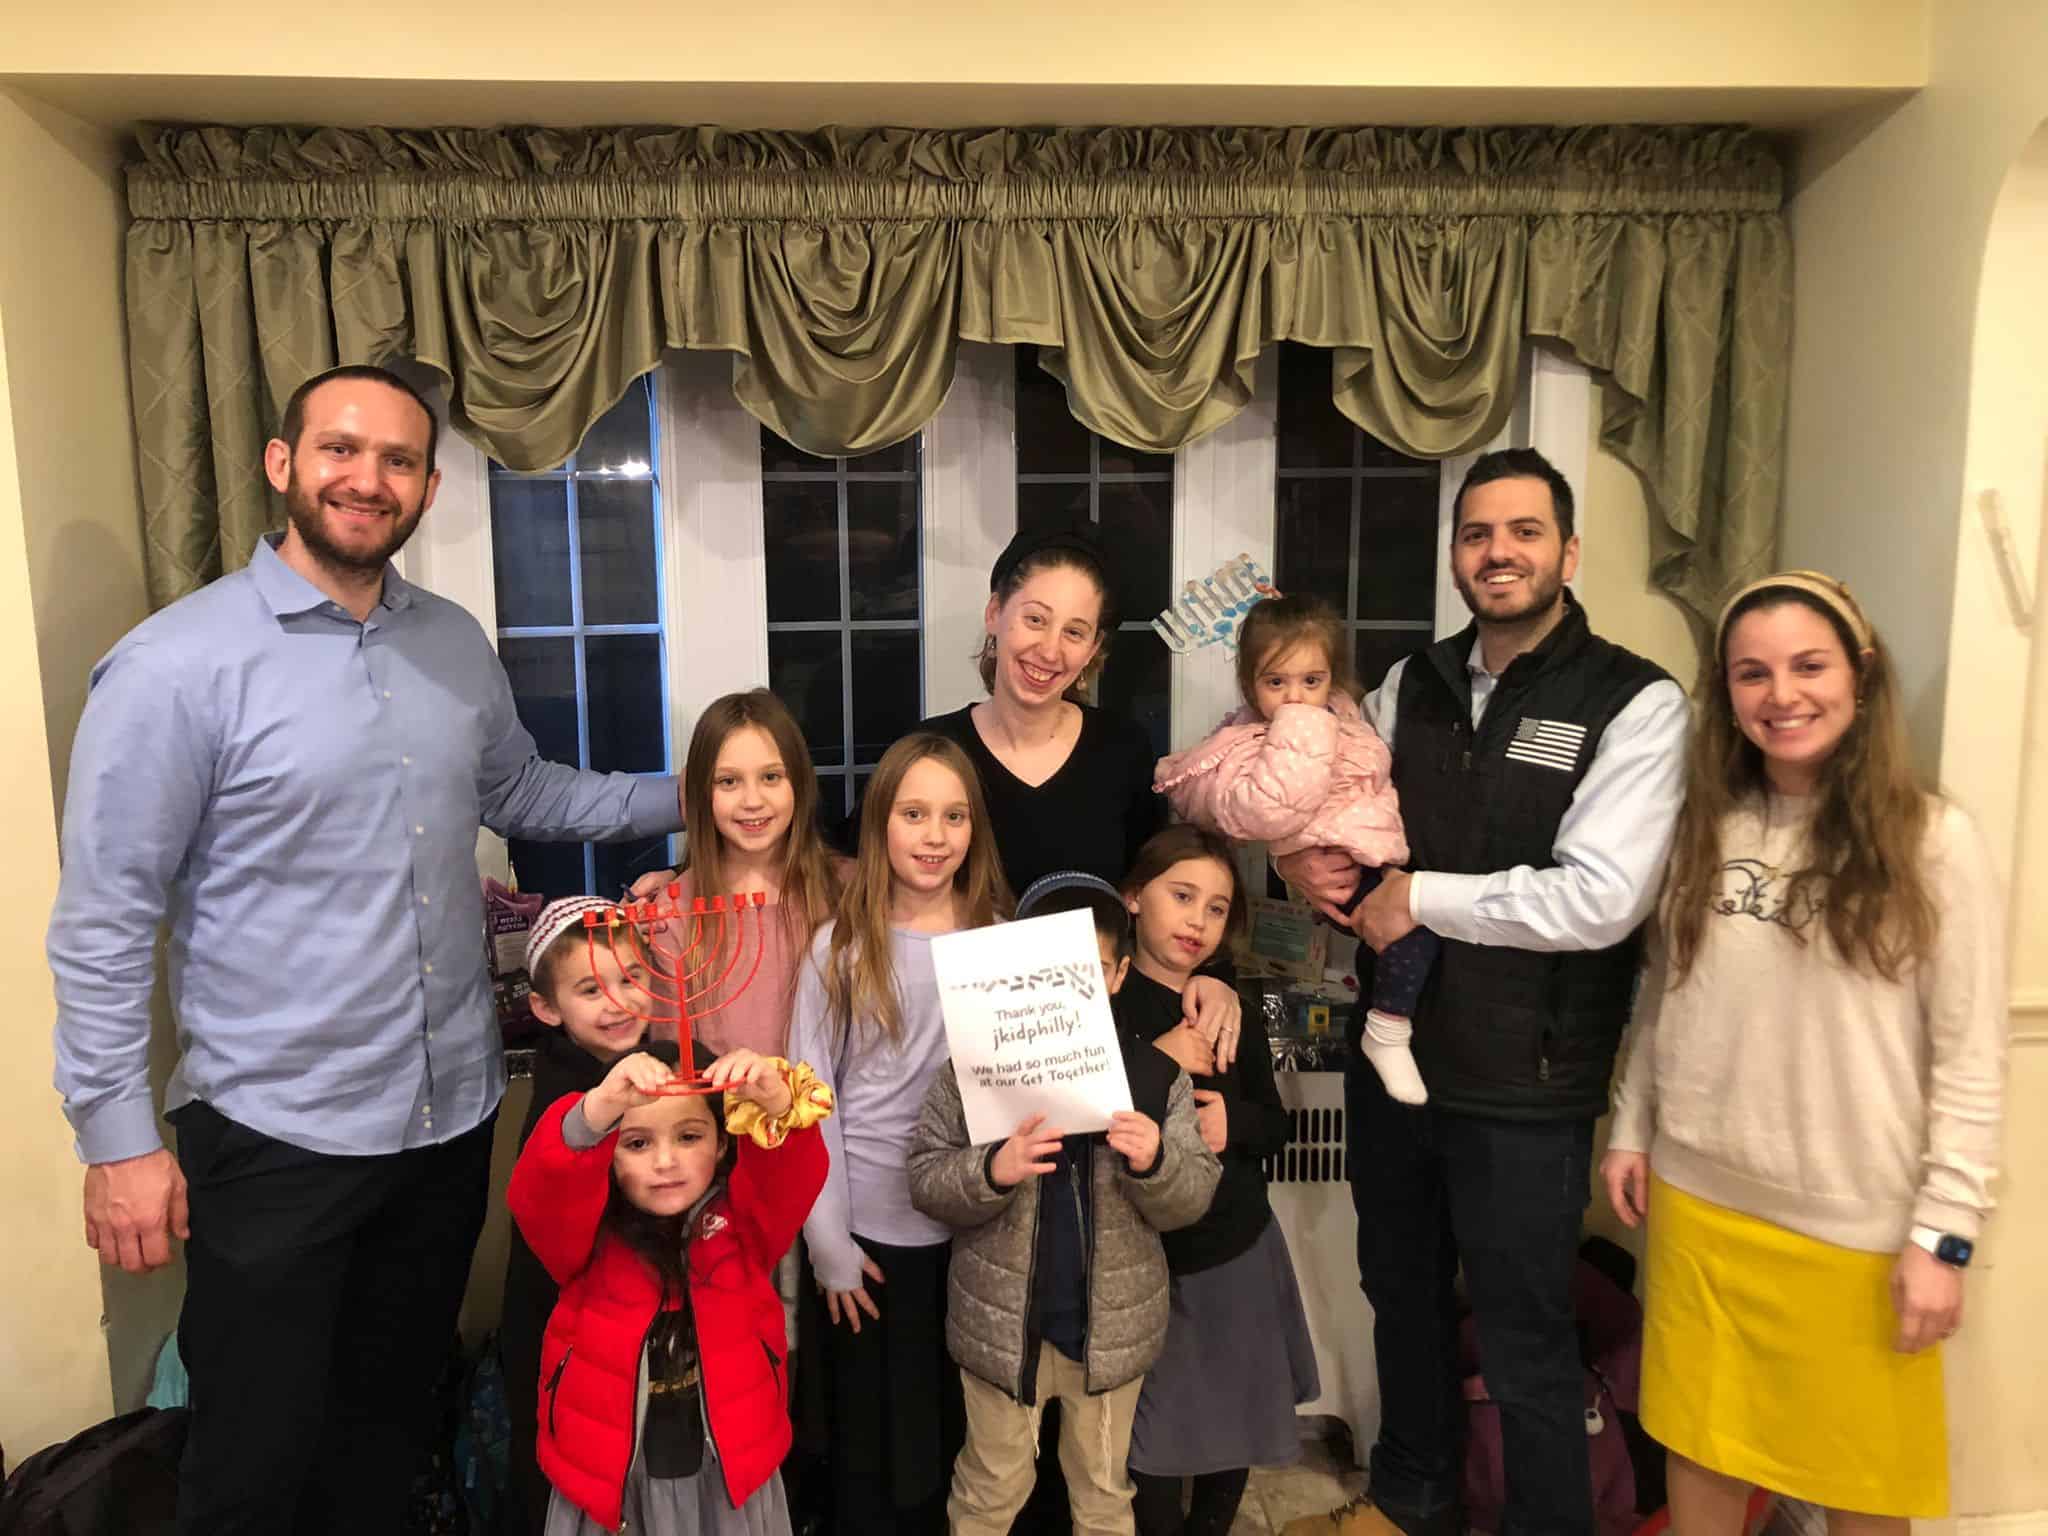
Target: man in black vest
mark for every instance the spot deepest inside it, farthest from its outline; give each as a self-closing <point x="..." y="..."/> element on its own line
<point x="1540" y="770"/>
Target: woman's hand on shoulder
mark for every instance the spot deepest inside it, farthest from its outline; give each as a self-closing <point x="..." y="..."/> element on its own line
<point x="1215" y="1012"/>
<point x="1626" y="1176"/>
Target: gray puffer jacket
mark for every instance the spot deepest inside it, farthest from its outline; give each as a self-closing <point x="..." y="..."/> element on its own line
<point x="988" y="1302"/>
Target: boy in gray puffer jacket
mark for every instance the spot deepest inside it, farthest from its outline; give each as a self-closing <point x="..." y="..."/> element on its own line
<point x="1058" y="1284"/>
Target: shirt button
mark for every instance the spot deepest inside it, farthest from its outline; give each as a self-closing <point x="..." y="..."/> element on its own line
<point x="419" y="831"/>
<point x="407" y="760"/>
<point x="387" y="693"/>
<point x="425" y="899"/>
<point x="430" y="970"/>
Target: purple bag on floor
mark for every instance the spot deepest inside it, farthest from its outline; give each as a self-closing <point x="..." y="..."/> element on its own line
<point x="1611" y="1346"/>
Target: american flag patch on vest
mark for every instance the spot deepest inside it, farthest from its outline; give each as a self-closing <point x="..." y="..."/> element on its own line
<point x="1547" y="743"/>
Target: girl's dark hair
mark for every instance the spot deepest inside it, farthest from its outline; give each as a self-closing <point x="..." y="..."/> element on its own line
<point x="664" y="1241"/>
<point x="1176" y="844"/>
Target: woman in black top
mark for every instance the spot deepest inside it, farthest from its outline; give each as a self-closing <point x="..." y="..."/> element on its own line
<point x="1068" y="786"/>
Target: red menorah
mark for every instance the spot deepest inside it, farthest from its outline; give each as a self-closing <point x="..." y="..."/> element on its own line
<point x="677" y="951"/>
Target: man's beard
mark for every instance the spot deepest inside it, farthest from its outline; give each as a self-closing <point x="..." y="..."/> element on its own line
<point x="1541" y="592"/>
<point x="308" y="519"/>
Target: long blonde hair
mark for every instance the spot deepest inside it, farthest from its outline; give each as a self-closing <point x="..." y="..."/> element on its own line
<point x="1865" y="850"/>
<point x="860" y="975"/>
<point x="805" y="883"/>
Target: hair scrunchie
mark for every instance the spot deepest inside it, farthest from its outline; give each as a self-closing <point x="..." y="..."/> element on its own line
<point x="809" y="1102"/>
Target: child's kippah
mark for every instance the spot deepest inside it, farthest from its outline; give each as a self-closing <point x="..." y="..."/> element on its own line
<point x="1065" y="880"/>
<point x="555" y="919"/>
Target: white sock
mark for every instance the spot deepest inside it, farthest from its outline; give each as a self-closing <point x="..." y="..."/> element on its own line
<point x="1386" y="1047"/>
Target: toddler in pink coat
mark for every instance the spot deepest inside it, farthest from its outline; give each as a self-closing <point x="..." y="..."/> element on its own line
<point x="1298" y="767"/>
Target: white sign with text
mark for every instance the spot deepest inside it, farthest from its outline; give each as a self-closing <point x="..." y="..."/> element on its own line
<point x="1028" y="1019"/>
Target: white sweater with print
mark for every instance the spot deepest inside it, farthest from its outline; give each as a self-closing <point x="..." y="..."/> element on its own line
<point x="1779" y="1081"/>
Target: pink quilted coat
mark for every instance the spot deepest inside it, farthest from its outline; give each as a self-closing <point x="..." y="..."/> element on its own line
<point x="1311" y="778"/>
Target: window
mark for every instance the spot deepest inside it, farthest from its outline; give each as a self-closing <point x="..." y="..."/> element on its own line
<point x="842" y="545"/>
<point x="684" y="553"/>
<point x="576" y="555"/>
<point x="1356" y="522"/>
<point x="1067" y="475"/>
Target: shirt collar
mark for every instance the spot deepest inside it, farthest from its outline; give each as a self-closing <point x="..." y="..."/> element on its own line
<point x="1574" y="614"/>
<point x="287" y="592"/>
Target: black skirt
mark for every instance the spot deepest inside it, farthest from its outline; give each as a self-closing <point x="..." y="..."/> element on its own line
<point x="883" y="1406"/>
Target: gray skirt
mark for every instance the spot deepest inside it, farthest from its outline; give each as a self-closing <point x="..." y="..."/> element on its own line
<point x="1237" y="1361"/>
<point x="682" y="1506"/>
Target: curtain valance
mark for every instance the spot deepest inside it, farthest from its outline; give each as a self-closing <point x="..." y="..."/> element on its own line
<point x="542" y="270"/>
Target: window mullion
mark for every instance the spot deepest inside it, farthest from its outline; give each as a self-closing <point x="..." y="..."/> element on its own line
<point x="845" y="635"/>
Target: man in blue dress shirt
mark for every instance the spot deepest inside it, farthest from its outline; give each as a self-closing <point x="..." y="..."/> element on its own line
<point x="290" y="767"/>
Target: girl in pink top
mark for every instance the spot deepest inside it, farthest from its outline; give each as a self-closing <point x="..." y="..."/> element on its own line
<point x="750" y="812"/>
<point x="1298" y="767"/>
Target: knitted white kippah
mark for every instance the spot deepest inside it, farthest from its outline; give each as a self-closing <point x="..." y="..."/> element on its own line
<point x="556" y="917"/>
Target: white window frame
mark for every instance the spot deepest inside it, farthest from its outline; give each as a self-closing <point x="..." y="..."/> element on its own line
<point x="715" y="573"/>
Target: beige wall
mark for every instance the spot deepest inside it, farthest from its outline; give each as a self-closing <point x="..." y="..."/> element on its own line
<point x="1499" y="43"/>
<point x="1887" y="450"/>
<point x="81" y="535"/>
<point x="53" y="1362"/>
<point x="1614" y="565"/>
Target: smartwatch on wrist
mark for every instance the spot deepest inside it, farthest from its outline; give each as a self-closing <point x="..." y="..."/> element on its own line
<point x="1946" y="1246"/>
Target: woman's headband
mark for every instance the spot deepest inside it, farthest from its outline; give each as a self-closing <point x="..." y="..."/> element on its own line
<point x="1075" y="541"/>
<point x="1830" y="593"/>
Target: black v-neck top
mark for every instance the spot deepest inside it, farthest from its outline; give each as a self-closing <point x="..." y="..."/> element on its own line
<point x="1093" y="814"/>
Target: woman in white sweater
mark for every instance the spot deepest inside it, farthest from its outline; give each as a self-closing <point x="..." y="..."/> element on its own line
<point x="1808" y="1110"/>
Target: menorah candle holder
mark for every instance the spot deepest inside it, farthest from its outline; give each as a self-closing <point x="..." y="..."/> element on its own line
<point x="678" y="950"/>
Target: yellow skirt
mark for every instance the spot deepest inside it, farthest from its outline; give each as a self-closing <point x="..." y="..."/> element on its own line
<point x="1767" y="1357"/>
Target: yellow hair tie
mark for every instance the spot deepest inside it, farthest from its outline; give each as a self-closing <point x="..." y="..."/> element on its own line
<point x="809" y="1102"/>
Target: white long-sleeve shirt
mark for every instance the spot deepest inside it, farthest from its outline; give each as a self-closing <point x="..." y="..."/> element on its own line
<point x="878" y="1088"/>
<point x="1610" y="847"/>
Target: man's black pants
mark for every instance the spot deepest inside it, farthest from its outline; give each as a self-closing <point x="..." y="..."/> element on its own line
<point x="320" y="1303"/>
<point x="1432" y="1187"/>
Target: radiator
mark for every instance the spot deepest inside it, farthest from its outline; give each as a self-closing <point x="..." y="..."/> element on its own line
<point x="1312" y="1202"/>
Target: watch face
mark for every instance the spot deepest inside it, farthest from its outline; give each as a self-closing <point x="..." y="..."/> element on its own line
<point x="1954" y="1250"/>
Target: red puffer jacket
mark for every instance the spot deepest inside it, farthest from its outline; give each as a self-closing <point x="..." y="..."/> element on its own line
<point x="590" y="1355"/>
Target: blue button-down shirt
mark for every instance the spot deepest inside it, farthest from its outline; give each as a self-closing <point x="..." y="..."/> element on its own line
<point x="300" y="794"/>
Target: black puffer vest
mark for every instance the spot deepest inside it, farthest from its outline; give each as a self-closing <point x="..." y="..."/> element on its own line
<point x="1513" y="1033"/>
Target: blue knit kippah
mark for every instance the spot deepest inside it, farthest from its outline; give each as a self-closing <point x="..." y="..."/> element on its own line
<point x="1065" y="880"/>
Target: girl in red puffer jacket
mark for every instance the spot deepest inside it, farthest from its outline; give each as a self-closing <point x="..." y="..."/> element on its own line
<point x="663" y="1404"/>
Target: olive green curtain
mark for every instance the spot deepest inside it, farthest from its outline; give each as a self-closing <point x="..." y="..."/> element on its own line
<point x="542" y="270"/>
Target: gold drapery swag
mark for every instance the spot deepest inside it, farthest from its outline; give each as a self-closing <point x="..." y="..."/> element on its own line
<point x="542" y="270"/>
